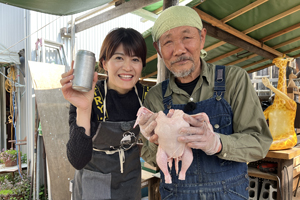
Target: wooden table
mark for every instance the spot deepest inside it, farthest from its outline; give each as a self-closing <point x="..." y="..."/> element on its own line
<point x="12" y="170"/>
<point x="152" y="182"/>
<point x="288" y="170"/>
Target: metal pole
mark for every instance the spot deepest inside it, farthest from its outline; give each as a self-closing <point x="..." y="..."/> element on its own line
<point x="3" y="110"/>
<point x="73" y="39"/>
<point x="38" y="149"/>
<point x="169" y="3"/>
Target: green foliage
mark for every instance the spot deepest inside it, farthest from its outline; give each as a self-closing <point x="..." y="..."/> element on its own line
<point x="19" y="186"/>
<point x="6" y="192"/>
<point x="10" y="154"/>
<point x="24" y="158"/>
<point x="4" y="177"/>
<point x="42" y="195"/>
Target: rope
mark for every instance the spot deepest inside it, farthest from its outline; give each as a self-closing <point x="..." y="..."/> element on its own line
<point x="30" y="35"/>
<point x="10" y="88"/>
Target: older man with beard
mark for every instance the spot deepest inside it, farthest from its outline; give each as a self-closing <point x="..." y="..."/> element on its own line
<point x="231" y="130"/>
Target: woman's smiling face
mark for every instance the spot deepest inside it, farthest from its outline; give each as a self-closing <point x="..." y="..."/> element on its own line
<point x="123" y="70"/>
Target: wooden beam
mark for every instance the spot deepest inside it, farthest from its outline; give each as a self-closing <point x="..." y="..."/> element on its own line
<point x="214" y="46"/>
<point x="263" y="60"/>
<point x="242" y="60"/>
<point x="236" y="41"/>
<point x="158" y="10"/>
<point x="279" y="33"/>
<point x="273" y="19"/>
<point x="217" y="23"/>
<point x="120" y="10"/>
<point x="260" y="68"/>
<point x="234" y="15"/>
<point x="149" y="75"/>
<point x="151" y="58"/>
<point x="94" y="11"/>
<point x="296" y="56"/>
<point x="286" y="43"/>
<point x="291" y="50"/>
<point x="243" y="10"/>
<point x="255" y="63"/>
<point x="119" y="2"/>
<point x="201" y="1"/>
<point x="147" y="15"/>
<point x="225" y="55"/>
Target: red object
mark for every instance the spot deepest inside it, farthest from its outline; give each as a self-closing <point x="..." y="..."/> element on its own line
<point x="268" y="167"/>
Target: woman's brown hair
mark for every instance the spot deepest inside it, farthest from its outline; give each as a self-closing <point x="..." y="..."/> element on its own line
<point x="133" y="44"/>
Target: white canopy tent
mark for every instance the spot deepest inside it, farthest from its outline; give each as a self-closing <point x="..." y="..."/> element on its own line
<point x="7" y="56"/>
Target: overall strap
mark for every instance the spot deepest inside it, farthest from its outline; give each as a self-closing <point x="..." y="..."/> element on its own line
<point x="167" y="101"/>
<point x="219" y="88"/>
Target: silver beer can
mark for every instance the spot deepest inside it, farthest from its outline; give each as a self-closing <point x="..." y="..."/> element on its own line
<point x="84" y="68"/>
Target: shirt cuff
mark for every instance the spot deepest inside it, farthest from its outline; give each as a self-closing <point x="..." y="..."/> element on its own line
<point x="227" y="148"/>
<point x="153" y="146"/>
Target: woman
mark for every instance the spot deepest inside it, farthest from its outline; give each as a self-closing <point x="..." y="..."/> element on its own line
<point x="102" y="145"/>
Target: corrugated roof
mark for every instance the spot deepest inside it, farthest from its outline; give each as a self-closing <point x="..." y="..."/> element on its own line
<point x="248" y="33"/>
<point x="244" y="33"/>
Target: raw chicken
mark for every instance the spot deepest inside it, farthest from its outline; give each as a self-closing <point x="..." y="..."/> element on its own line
<point x="169" y="148"/>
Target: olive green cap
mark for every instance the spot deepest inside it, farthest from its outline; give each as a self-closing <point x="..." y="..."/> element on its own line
<point x="173" y="17"/>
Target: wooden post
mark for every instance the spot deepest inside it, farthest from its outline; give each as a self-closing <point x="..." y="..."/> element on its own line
<point x="169" y="3"/>
<point x="162" y="72"/>
<point x="19" y="143"/>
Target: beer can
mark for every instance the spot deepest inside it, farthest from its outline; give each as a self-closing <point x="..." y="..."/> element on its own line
<point x="84" y="68"/>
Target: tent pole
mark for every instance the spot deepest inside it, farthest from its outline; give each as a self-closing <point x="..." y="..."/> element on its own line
<point x="162" y="72"/>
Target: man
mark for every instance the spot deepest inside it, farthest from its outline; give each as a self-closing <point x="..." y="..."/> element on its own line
<point x="231" y="129"/>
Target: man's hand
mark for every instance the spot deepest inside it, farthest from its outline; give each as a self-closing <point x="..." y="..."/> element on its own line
<point x="200" y="135"/>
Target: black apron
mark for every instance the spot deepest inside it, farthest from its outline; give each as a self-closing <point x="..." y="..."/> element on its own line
<point x="114" y="171"/>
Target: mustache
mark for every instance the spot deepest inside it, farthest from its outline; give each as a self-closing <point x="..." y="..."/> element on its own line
<point x="182" y="58"/>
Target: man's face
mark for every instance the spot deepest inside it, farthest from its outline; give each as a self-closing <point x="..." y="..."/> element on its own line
<point x="180" y="49"/>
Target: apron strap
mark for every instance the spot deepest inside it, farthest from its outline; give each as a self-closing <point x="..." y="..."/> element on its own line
<point x="167" y="101"/>
<point x="137" y="94"/>
<point x="121" y="155"/>
<point x="104" y="101"/>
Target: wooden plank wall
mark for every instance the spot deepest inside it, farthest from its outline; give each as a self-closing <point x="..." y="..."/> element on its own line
<point x="53" y="111"/>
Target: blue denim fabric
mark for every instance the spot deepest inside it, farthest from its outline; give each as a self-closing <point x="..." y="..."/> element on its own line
<point x="208" y="177"/>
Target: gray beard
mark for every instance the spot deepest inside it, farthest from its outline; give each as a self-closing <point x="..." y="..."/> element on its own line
<point x="184" y="73"/>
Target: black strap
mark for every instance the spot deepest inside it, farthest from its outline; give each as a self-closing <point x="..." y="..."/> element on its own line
<point x="219" y="78"/>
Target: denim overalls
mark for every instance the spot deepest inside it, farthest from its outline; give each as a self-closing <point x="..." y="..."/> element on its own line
<point x="209" y="177"/>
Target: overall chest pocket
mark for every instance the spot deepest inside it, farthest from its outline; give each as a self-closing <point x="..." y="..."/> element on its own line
<point x="221" y="123"/>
